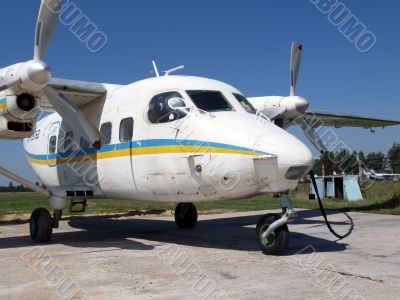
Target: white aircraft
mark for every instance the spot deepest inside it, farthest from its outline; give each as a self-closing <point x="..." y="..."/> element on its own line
<point x="373" y="175"/>
<point x="169" y="138"/>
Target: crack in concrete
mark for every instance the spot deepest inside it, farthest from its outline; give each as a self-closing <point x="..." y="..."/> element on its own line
<point x="357" y="276"/>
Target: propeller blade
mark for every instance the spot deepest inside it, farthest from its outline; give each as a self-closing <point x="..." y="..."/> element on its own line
<point x="45" y="26"/>
<point x="295" y="66"/>
<point x="74" y="117"/>
<point x="311" y="134"/>
<point x="8" y="82"/>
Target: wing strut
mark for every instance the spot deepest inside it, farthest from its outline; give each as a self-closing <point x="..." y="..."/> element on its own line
<point x="74" y="117"/>
<point x="24" y="182"/>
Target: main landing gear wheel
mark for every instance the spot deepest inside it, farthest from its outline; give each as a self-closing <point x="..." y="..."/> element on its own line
<point x="186" y="215"/>
<point x="41" y="225"/>
<point x="277" y="242"/>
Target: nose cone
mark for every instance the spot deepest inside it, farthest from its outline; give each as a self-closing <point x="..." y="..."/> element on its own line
<point x="293" y="154"/>
<point x="294" y="159"/>
<point x="301" y="104"/>
<point x="39" y="72"/>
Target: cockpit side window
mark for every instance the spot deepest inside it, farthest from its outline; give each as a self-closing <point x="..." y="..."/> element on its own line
<point x="166" y="107"/>
<point x="210" y="101"/>
<point x="245" y="103"/>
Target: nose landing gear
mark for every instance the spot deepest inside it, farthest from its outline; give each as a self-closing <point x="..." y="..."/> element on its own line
<point x="272" y="230"/>
<point x="276" y="242"/>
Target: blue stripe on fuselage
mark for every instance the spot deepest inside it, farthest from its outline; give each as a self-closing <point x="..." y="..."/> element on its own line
<point x="137" y="145"/>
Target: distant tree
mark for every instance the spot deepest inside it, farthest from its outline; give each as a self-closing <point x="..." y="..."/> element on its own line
<point x="21" y="189"/>
<point x="361" y="156"/>
<point x="317" y="168"/>
<point x="326" y="160"/>
<point x="346" y="162"/>
<point x="11" y="187"/>
<point x="338" y="162"/>
<point x="375" y="160"/>
<point x="351" y="164"/>
<point x="394" y="156"/>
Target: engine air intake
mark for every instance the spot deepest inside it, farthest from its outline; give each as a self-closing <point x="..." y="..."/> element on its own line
<point x="26" y="102"/>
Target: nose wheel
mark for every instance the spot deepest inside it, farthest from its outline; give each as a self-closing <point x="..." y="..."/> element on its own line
<point x="272" y="230"/>
<point x="277" y="241"/>
<point x="186" y="215"/>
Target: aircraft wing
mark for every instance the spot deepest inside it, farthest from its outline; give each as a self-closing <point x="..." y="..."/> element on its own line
<point x="78" y="92"/>
<point x="338" y="120"/>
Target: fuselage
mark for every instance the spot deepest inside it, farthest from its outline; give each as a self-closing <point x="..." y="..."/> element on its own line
<point x="186" y="155"/>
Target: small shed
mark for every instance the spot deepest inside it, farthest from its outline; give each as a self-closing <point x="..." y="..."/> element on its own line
<point x="337" y="187"/>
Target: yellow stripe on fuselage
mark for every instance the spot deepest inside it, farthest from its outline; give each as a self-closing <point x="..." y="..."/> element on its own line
<point x="140" y="151"/>
<point x="3" y="106"/>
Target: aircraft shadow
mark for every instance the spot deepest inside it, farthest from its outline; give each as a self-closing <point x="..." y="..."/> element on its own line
<point x="235" y="233"/>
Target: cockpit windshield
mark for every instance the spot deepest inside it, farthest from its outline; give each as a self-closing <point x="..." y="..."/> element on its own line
<point x="210" y="101"/>
<point x="245" y="103"/>
<point x="167" y="107"/>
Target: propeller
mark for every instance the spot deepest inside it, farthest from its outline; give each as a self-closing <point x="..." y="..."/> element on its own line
<point x="301" y="103"/>
<point x="45" y="26"/>
<point x="35" y="75"/>
<point x="295" y="66"/>
<point x="292" y="106"/>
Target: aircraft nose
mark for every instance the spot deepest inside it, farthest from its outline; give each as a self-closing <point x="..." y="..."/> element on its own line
<point x="294" y="158"/>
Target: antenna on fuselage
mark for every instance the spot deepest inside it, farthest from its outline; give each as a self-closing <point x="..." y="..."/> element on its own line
<point x="156" y="69"/>
<point x="169" y="72"/>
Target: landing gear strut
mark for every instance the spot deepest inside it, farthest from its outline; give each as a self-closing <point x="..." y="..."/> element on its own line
<point x="272" y="230"/>
<point x="41" y="224"/>
<point x="186" y="215"/>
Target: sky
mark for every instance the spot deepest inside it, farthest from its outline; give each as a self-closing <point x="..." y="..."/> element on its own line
<point x="245" y="43"/>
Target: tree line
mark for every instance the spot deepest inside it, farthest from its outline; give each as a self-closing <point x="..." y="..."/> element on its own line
<point x="12" y="188"/>
<point x="344" y="161"/>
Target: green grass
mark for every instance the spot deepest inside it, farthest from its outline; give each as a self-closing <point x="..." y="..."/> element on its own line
<point x="381" y="197"/>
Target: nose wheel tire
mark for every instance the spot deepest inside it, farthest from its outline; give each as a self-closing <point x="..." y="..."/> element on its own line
<point x="41" y="225"/>
<point x="277" y="242"/>
<point x="186" y="215"/>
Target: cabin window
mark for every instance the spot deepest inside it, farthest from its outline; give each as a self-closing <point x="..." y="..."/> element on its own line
<point x="126" y="130"/>
<point x="53" y="144"/>
<point x="84" y="144"/>
<point x="245" y="103"/>
<point x="210" y="101"/>
<point x="167" y="107"/>
<point x="68" y="141"/>
<point x="105" y="130"/>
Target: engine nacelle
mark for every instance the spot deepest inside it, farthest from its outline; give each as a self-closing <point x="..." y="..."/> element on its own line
<point x="16" y="130"/>
<point x="18" y="113"/>
<point x="288" y="107"/>
<point x="19" y="106"/>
